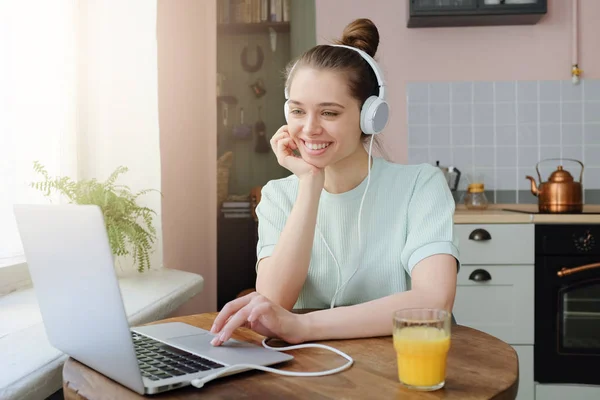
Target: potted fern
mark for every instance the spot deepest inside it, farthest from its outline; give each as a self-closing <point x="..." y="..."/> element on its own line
<point x="129" y="225"/>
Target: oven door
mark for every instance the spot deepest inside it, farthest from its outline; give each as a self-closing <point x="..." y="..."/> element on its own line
<point x="567" y="320"/>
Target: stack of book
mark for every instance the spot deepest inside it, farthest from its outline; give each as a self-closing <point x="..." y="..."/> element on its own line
<point x="236" y="209"/>
<point x="253" y="11"/>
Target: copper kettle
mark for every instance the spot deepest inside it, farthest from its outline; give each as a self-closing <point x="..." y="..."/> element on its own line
<point x="560" y="194"/>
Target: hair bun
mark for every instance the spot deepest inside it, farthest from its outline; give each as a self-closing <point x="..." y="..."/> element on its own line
<point x="362" y="34"/>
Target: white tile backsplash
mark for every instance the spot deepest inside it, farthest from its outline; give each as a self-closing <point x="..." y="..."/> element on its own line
<point x="462" y="114"/>
<point x="570" y="92"/>
<point x="502" y="129"/>
<point x="527" y="92"/>
<point x="549" y="91"/>
<point x="504" y="92"/>
<point x="439" y="92"/>
<point x="550" y="134"/>
<point x="550" y="113"/>
<point x="591" y="133"/>
<point x="483" y="92"/>
<point x="527" y="113"/>
<point x="483" y="135"/>
<point x="462" y="92"/>
<point x="592" y="91"/>
<point x="505" y="114"/>
<point x="591" y="110"/>
<point x="527" y="134"/>
<point x="440" y="135"/>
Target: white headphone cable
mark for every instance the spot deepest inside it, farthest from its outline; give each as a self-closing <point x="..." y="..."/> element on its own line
<point x="359" y="230"/>
<point x="199" y="382"/>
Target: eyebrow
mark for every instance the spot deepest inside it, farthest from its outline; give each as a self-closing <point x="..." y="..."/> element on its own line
<point x="326" y="104"/>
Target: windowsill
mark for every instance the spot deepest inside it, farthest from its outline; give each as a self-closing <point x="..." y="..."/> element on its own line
<point x="32" y="368"/>
<point x="14" y="276"/>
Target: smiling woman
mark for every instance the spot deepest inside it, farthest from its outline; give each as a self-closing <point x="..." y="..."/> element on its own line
<point x="314" y="250"/>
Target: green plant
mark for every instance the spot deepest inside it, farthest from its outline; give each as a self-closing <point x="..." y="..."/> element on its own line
<point x="129" y="226"/>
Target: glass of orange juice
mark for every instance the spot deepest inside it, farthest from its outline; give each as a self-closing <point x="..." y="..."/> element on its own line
<point x="422" y="341"/>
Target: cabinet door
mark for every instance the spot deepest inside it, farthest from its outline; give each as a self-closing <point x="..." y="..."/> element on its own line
<point x="526" y="383"/>
<point x="497" y="299"/>
<point x="496" y="243"/>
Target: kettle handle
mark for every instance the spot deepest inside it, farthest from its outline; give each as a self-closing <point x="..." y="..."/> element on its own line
<point x="458" y="173"/>
<point x="560" y="159"/>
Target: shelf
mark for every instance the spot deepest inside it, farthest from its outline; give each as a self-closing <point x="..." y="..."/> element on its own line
<point x="249" y="28"/>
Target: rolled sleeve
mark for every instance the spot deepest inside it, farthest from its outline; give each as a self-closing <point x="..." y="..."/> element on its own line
<point x="271" y="221"/>
<point x="431" y="249"/>
<point x="430" y="220"/>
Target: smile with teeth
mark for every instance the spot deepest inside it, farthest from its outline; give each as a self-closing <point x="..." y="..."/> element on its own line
<point x="316" y="146"/>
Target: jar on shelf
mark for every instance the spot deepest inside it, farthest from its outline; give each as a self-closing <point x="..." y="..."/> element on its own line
<point x="475" y="198"/>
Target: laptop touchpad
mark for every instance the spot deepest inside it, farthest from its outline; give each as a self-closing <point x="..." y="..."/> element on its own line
<point x="231" y="352"/>
<point x="168" y="330"/>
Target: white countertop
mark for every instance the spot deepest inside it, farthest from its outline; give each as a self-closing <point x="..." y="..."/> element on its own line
<point x="30" y="368"/>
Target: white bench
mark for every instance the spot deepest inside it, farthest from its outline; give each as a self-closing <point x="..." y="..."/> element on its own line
<point x="30" y="368"/>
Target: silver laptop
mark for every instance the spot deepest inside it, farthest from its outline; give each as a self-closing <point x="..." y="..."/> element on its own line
<point x="71" y="267"/>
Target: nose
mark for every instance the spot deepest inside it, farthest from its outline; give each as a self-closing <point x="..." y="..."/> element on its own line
<point x="312" y="126"/>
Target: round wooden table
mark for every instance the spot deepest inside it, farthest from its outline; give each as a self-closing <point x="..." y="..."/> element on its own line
<point x="480" y="366"/>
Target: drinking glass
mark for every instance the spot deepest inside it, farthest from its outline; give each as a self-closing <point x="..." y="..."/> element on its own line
<point x="422" y="342"/>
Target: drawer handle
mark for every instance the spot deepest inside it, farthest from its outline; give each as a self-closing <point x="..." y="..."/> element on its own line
<point x="480" y="235"/>
<point x="480" y="275"/>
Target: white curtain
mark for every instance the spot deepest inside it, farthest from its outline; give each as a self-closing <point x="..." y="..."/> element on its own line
<point x="78" y="92"/>
<point x="37" y="104"/>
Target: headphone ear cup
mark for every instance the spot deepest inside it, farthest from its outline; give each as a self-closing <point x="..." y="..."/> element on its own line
<point x="286" y="110"/>
<point x="374" y="115"/>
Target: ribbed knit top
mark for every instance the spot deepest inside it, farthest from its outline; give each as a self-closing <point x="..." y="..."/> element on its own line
<point x="407" y="216"/>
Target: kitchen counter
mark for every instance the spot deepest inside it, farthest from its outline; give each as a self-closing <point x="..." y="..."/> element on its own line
<point x="495" y="214"/>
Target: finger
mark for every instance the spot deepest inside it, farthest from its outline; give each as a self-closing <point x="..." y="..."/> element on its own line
<point x="229" y="310"/>
<point x="239" y="319"/>
<point x="277" y="137"/>
<point x="258" y="311"/>
<point x="283" y="148"/>
<point x="293" y="144"/>
<point x="281" y="132"/>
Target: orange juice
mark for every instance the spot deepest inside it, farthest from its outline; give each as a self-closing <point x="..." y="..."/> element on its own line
<point x="422" y="352"/>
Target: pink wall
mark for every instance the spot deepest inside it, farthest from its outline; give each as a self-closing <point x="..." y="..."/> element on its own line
<point x="528" y="52"/>
<point x="187" y="69"/>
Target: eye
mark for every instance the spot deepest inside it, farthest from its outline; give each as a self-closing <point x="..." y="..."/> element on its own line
<point x="330" y="114"/>
<point x="296" y="111"/>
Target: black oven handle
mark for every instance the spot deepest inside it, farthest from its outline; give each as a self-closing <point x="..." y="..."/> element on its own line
<point x="569" y="271"/>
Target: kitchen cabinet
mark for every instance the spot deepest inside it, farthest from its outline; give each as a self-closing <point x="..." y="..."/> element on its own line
<point x="501" y="306"/>
<point x="495" y="288"/>
<point x="439" y="13"/>
<point x="236" y="257"/>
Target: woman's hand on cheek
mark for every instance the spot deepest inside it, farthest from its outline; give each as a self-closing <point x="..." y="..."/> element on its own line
<point x="262" y="316"/>
<point x="283" y="146"/>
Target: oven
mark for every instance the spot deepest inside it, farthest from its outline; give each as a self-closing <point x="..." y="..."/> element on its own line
<point x="567" y="304"/>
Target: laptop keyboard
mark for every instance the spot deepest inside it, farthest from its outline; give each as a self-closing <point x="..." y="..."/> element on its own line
<point x="158" y="360"/>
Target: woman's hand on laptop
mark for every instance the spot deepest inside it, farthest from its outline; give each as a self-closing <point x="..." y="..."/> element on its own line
<point x="260" y="314"/>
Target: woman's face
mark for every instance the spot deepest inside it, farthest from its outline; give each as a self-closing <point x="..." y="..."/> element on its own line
<point x="323" y="120"/>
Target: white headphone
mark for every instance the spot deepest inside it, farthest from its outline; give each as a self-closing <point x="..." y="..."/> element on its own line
<point x="375" y="111"/>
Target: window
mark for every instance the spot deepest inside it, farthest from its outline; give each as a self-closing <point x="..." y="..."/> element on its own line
<point x="37" y="105"/>
<point x="78" y="93"/>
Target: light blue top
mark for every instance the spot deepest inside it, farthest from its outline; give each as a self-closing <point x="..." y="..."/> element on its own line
<point x="407" y="216"/>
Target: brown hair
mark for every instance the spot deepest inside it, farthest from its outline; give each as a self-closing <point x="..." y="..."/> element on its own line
<point x="362" y="34"/>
